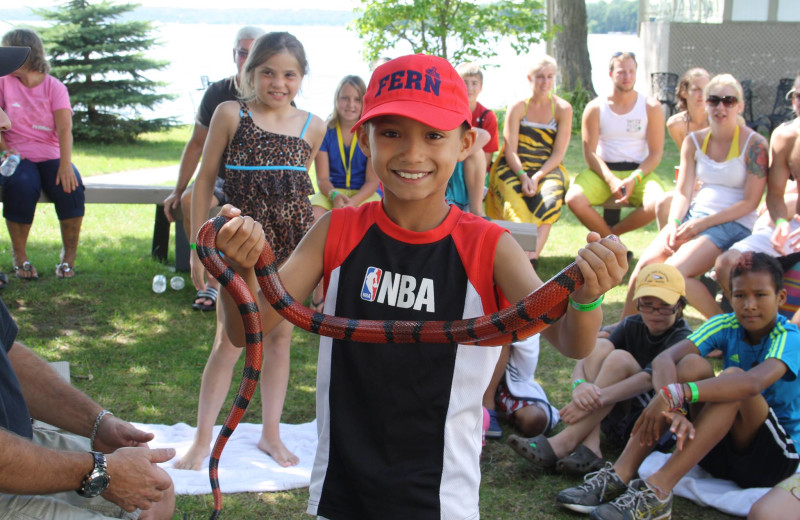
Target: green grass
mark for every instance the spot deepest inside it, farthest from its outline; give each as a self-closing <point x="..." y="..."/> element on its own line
<point x="141" y="354"/>
<point x="152" y="150"/>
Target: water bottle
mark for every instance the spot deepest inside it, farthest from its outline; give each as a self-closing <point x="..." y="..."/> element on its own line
<point x="159" y="283"/>
<point x="177" y="283"/>
<point x="9" y="166"/>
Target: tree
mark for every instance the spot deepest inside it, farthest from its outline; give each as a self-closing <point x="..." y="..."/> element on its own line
<point x="101" y="61"/>
<point x="453" y="29"/>
<point x="571" y="48"/>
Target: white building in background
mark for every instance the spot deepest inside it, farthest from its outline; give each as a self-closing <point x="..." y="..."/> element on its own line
<point x="756" y="40"/>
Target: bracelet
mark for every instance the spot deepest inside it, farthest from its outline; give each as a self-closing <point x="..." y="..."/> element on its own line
<point x="521" y="173"/>
<point x="577" y="382"/>
<point x="97" y="426"/>
<point x="586" y="307"/>
<point x="677" y="222"/>
<point x="332" y="195"/>
<point x="637" y="176"/>
<point x="673" y="394"/>
<point x="193" y="246"/>
<point x="694" y="392"/>
<point x="780" y="221"/>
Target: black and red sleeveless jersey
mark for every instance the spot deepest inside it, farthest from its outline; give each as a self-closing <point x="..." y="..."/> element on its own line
<point x="400" y="425"/>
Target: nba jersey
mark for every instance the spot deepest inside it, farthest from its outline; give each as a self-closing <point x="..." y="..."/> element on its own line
<point x="399" y="426"/>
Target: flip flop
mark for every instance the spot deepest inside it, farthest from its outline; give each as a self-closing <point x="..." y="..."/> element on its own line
<point x="579" y="462"/>
<point x="64" y="270"/>
<point x="536" y="450"/>
<point x="317" y="306"/>
<point x="27" y="268"/>
<point x="208" y="294"/>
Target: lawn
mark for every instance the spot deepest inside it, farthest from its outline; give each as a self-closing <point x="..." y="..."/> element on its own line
<point x="141" y="354"/>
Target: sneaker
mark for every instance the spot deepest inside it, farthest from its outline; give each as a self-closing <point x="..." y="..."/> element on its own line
<point x="494" y="431"/>
<point x="598" y="487"/>
<point x="639" y="502"/>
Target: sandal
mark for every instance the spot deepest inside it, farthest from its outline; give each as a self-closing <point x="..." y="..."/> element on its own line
<point x="580" y="462"/>
<point x="26" y="267"/>
<point x="208" y="294"/>
<point x="64" y="270"/>
<point x="317" y="306"/>
<point x="536" y="450"/>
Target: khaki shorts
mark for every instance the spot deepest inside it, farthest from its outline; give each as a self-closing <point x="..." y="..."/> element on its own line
<point x="597" y="191"/>
<point x="62" y="506"/>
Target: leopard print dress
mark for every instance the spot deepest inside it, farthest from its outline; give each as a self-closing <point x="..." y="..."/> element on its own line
<point x="266" y="177"/>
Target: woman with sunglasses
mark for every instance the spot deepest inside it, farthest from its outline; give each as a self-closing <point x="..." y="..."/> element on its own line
<point x="730" y="160"/>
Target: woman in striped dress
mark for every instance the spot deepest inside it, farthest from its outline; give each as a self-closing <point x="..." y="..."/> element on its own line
<point x="527" y="181"/>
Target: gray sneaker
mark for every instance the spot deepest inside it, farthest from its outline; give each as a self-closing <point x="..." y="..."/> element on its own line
<point x="598" y="487"/>
<point x="639" y="502"/>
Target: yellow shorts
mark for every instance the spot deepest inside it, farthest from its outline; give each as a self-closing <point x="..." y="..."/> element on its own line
<point x="318" y="199"/>
<point x="597" y="191"/>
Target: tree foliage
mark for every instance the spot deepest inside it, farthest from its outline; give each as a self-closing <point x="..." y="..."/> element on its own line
<point x="101" y="61"/>
<point x="614" y="16"/>
<point x="453" y="29"/>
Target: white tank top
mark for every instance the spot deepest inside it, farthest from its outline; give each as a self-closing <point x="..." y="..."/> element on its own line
<point x="723" y="183"/>
<point x="623" y="137"/>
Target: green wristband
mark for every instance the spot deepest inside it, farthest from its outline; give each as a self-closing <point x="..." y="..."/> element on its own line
<point x="332" y="195"/>
<point x="521" y="173"/>
<point x="577" y="382"/>
<point x="586" y="307"/>
<point x="695" y="393"/>
<point x="193" y="246"/>
<point x="677" y="222"/>
<point x="780" y="221"/>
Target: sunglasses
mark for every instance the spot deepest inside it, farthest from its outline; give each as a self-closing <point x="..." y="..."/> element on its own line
<point x="728" y="101"/>
<point x="620" y="53"/>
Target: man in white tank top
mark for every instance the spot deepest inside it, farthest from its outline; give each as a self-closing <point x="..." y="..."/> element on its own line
<point x="623" y="139"/>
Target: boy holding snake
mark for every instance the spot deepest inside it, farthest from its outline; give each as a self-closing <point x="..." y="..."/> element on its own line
<point x="400" y="425"/>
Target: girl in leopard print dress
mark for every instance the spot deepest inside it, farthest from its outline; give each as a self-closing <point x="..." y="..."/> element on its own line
<point x="267" y="145"/>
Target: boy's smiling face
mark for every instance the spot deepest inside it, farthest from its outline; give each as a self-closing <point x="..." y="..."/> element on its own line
<point x="413" y="160"/>
<point x="756" y="303"/>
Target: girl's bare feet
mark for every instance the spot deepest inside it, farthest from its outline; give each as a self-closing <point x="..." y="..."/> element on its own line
<point x="193" y="459"/>
<point x="279" y="452"/>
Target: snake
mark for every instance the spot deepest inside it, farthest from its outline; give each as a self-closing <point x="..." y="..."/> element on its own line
<point x="525" y="318"/>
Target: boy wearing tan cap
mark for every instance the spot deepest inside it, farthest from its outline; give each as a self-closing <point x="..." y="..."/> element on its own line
<point x="613" y="384"/>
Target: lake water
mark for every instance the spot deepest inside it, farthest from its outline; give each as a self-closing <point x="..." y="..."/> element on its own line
<point x="196" y="50"/>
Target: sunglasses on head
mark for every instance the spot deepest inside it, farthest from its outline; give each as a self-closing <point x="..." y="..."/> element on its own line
<point x="728" y="101"/>
<point x="620" y="53"/>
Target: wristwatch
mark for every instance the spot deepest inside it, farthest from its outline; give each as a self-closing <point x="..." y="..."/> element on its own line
<point x="96" y="482"/>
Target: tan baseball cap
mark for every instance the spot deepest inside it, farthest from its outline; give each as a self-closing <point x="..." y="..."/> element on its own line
<point x="662" y="281"/>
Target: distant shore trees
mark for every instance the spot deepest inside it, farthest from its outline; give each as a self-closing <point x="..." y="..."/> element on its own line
<point x="101" y="61"/>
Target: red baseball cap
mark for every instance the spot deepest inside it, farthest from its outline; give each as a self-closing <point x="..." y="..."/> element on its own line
<point x="424" y="88"/>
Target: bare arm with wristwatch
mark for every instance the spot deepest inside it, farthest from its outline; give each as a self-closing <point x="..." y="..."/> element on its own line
<point x="121" y="467"/>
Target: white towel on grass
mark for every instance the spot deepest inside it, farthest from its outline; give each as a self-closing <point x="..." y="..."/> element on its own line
<point x="243" y="467"/>
<point x="700" y="487"/>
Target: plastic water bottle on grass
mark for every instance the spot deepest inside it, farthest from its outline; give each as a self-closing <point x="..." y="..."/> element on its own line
<point x="159" y="283"/>
<point x="177" y="283"/>
<point x="9" y="166"/>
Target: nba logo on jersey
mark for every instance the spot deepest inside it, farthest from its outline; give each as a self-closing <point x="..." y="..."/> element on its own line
<point x="372" y="281"/>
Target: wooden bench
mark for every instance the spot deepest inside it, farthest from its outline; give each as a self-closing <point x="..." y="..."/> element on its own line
<point x="134" y="194"/>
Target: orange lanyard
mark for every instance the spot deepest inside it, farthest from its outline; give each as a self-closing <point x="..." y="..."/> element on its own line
<point x="348" y="165"/>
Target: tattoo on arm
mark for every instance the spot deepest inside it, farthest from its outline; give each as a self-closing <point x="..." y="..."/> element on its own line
<point x="757" y="159"/>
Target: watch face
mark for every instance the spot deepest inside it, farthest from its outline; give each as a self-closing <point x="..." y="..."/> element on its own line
<point x="96" y="485"/>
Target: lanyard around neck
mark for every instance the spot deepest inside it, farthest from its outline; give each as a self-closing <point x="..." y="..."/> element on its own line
<point x="348" y="165"/>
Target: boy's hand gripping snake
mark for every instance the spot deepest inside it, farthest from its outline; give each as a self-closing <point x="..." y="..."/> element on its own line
<point x="519" y="321"/>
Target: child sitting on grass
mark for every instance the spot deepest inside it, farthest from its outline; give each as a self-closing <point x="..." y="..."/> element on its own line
<point x="613" y="384"/>
<point x="745" y="420"/>
<point x="399" y="426"/>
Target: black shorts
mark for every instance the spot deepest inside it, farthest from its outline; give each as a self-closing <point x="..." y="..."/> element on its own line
<point x="617" y="425"/>
<point x="770" y="458"/>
